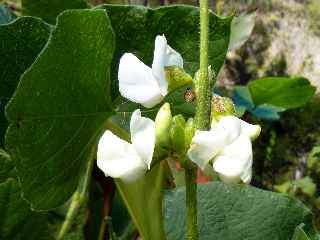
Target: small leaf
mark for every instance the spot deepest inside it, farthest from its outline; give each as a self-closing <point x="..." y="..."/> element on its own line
<point x="241" y="29"/>
<point x="20" y="43"/>
<point x="281" y="91"/>
<point x="60" y="106"/>
<point x="48" y="10"/>
<point x="233" y="212"/>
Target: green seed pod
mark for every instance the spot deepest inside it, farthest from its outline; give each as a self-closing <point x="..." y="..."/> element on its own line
<point x="177" y="77"/>
<point x="177" y="134"/>
<point x="220" y="107"/>
<point x="163" y="122"/>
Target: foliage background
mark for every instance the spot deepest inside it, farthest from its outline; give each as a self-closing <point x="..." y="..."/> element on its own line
<point x="285" y="41"/>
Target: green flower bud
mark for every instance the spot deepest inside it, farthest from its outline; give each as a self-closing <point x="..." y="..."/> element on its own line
<point x="220" y="107"/>
<point x="177" y="134"/>
<point x="176" y="77"/>
<point x="163" y="122"/>
<point x="189" y="131"/>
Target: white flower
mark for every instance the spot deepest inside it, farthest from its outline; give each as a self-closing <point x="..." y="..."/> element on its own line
<point x="141" y="84"/>
<point x="120" y="159"/>
<point x="228" y="145"/>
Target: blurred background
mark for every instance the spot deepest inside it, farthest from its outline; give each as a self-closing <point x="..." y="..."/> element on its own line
<point x="284" y="42"/>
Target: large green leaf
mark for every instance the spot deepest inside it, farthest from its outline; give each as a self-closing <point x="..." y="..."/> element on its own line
<point x="281" y="91"/>
<point x="20" y="43"/>
<point x="17" y="220"/>
<point x="6" y="15"/>
<point x="233" y="212"/>
<point x="48" y="10"/>
<point x="136" y="28"/>
<point x="60" y="106"/>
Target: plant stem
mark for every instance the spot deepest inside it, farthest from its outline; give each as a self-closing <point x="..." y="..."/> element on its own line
<point x="191" y="202"/>
<point x="203" y="85"/>
<point x="78" y="199"/>
<point x="202" y="121"/>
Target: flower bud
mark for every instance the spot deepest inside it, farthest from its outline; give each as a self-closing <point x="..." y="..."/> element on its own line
<point x="177" y="134"/>
<point x="176" y="77"/>
<point x="163" y="122"/>
<point x="189" y="131"/>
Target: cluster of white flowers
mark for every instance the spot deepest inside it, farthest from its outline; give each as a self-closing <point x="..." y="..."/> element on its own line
<point x="227" y="145"/>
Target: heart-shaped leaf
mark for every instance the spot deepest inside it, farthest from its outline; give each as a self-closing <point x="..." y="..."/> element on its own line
<point x="60" y="106"/>
<point x="233" y="212"/>
<point x="20" y="43"/>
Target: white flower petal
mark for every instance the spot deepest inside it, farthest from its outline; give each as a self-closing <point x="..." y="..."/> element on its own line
<point x="231" y="125"/>
<point x="143" y="136"/>
<point x="252" y="131"/>
<point x="118" y="158"/>
<point x="158" y="64"/>
<point x="205" y="145"/>
<point x="173" y="58"/>
<point x="235" y="161"/>
<point x="137" y="83"/>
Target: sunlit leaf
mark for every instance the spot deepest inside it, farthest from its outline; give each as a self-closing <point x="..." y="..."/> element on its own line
<point x="233" y="212"/>
<point x="281" y="91"/>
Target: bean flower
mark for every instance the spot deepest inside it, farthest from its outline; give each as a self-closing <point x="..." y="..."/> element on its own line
<point x="142" y="84"/>
<point x="128" y="161"/>
<point x="228" y="145"/>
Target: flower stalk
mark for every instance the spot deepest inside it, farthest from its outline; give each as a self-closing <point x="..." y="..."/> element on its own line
<point x="78" y="199"/>
<point x="202" y="121"/>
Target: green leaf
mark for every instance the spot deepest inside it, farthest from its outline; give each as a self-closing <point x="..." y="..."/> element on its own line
<point x="267" y="111"/>
<point x="143" y="199"/>
<point x="136" y="28"/>
<point x="299" y="234"/>
<point x="242" y="97"/>
<point x="48" y="10"/>
<point x="241" y="29"/>
<point x="17" y="220"/>
<point x="6" y="15"/>
<point x="281" y="92"/>
<point x="20" y="43"/>
<point x="233" y="212"/>
<point x="60" y="106"/>
<point x="7" y="167"/>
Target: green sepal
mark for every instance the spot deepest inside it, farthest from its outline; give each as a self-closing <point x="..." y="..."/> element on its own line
<point x="176" y="77"/>
<point x="163" y="122"/>
<point x="177" y="134"/>
<point x="221" y="107"/>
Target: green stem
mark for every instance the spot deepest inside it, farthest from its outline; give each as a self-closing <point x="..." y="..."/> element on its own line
<point x="203" y="85"/>
<point x="191" y="202"/>
<point x="78" y="199"/>
<point x="202" y="121"/>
